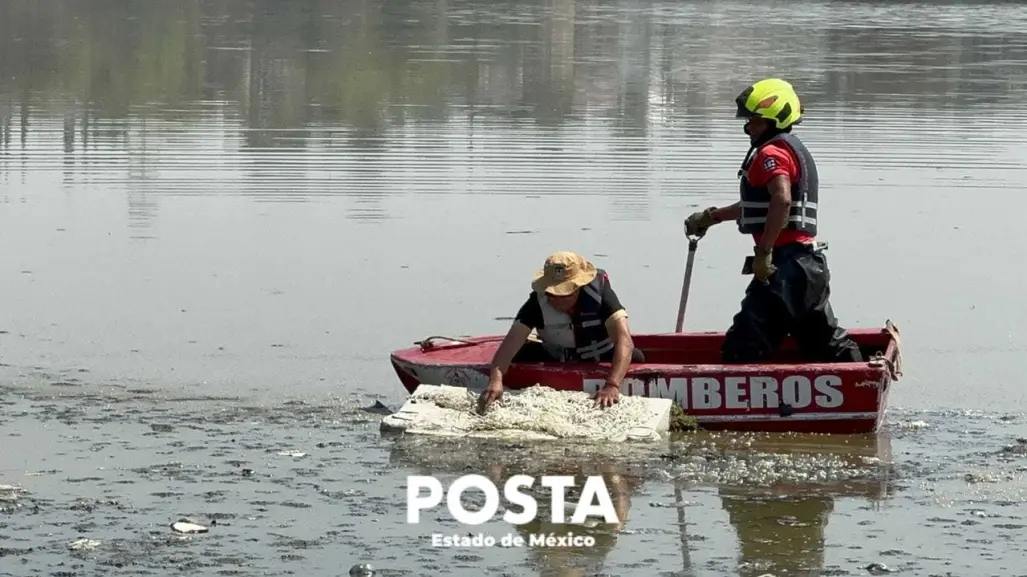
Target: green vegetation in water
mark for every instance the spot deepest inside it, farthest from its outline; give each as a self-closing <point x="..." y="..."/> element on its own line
<point x="681" y="421"/>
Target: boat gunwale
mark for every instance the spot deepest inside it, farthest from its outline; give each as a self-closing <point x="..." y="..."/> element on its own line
<point x="417" y="356"/>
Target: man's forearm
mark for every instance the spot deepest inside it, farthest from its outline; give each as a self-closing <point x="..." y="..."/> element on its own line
<point x="501" y="362"/>
<point x="777" y="218"/>
<point x="512" y="343"/>
<point x="621" y="361"/>
<point x="730" y="212"/>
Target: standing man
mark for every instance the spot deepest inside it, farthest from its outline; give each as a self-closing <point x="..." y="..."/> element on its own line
<point x="778" y="207"/>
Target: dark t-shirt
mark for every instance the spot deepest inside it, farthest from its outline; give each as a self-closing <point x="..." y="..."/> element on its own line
<point x="531" y="312"/>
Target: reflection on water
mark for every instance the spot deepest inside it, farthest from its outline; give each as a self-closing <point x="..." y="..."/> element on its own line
<point x="367" y="64"/>
<point x="781" y="526"/>
<point x="366" y="99"/>
<point x="777" y="491"/>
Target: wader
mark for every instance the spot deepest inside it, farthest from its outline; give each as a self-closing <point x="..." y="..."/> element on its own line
<point x="794" y="302"/>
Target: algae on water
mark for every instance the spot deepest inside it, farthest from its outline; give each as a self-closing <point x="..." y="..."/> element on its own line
<point x="539" y="409"/>
<point x="682" y="421"/>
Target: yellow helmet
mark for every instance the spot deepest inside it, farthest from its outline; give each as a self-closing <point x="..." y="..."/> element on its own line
<point x="773" y="99"/>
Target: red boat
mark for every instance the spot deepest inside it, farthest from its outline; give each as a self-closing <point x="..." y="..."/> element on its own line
<point x="785" y="395"/>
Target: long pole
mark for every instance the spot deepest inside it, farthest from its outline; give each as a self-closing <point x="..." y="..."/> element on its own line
<point x="693" y="243"/>
<point x="679" y="502"/>
<point x="686" y="558"/>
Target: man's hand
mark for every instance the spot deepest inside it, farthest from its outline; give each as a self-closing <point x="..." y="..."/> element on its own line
<point x="512" y="342"/>
<point x="608" y="395"/>
<point x="699" y="222"/>
<point x="762" y="265"/>
<point x="493" y="392"/>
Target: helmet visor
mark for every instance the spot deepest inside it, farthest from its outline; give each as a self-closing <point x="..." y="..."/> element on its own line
<point x="742" y="111"/>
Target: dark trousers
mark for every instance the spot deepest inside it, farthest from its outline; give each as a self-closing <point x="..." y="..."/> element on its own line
<point x="534" y="352"/>
<point x="795" y="302"/>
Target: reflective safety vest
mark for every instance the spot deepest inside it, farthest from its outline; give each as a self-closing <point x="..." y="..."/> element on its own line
<point x="755" y="202"/>
<point x="580" y="335"/>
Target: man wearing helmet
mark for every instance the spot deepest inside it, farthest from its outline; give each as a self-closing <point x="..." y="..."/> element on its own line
<point x="778" y="207"/>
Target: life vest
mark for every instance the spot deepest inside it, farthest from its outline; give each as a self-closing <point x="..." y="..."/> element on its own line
<point x="582" y="334"/>
<point x="755" y="202"/>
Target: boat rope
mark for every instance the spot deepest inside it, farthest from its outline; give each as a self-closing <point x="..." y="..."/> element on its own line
<point x="429" y="343"/>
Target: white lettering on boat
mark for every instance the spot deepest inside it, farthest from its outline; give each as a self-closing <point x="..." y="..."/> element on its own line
<point x="736" y="392"/>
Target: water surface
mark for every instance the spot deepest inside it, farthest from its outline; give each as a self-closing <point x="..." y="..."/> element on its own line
<point x="221" y="208"/>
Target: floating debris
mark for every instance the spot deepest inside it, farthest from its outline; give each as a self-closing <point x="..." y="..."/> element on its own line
<point x="84" y="545"/>
<point x="378" y="408"/>
<point x="292" y="454"/>
<point x="1020" y="448"/>
<point x="878" y="569"/>
<point x="188" y="526"/>
<point x="361" y="570"/>
<point x="10" y="493"/>
<point x="981" y="478"/>
<point x="681" y="421"/>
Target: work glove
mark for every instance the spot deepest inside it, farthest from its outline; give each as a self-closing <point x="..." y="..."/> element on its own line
<point x="699" y="222"/>
<point x="762" y="265"/>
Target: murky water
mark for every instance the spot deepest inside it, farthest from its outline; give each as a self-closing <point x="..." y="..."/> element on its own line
<point x="220" y="217"/>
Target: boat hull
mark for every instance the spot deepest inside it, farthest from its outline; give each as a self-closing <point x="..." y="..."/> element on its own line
<point x="784" y="396"/>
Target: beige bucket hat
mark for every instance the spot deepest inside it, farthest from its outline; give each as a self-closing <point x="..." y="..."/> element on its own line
<point x="563" y="273"/>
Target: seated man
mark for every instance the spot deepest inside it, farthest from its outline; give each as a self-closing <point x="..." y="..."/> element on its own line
<point x="578" y="318"/>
